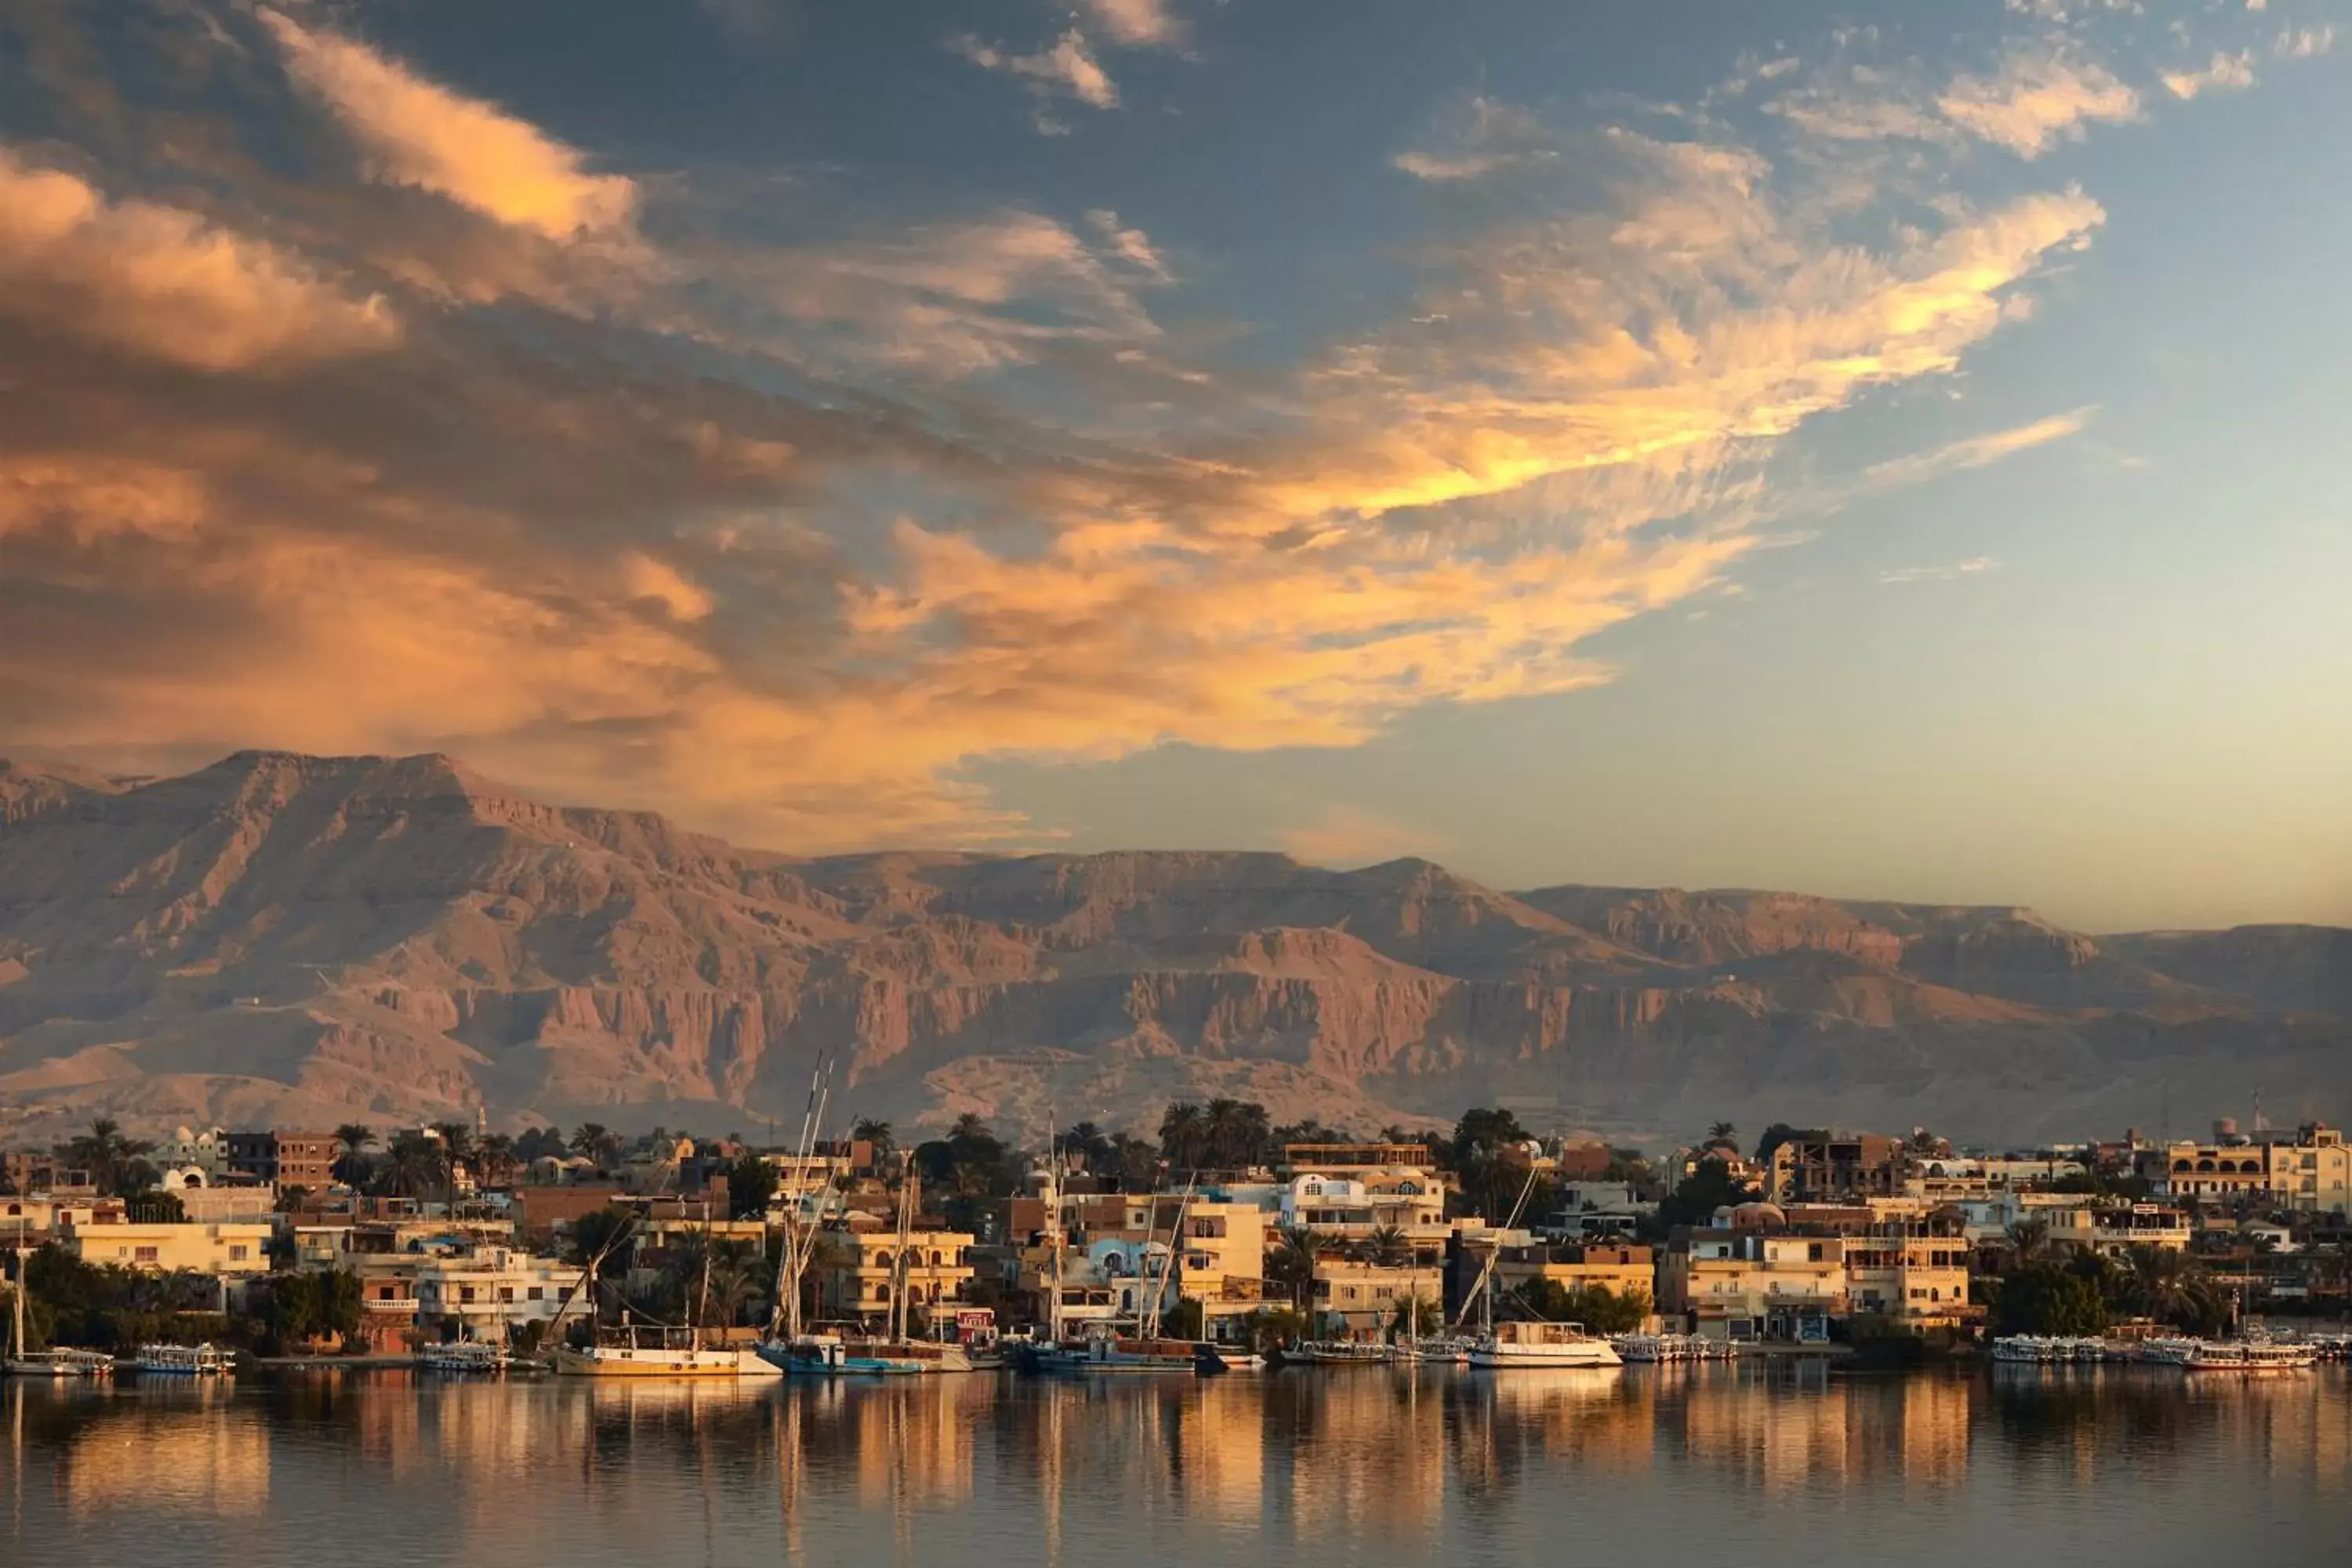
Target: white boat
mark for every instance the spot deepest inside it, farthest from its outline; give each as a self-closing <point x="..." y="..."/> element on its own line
<point x="1449" y="1352"/>
<point x="648" y="1352"/>
<point x="2249" y="1356"/>
<point x="182" y="1361"/>
<point x="1345" y="1352"/>
<point x="1510" y="1346"/>
<point x="63" y="1362"/>
<point x="466" y="1357"/>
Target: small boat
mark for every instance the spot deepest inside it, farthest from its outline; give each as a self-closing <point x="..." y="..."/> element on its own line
<point x="61" y="1362"/>
<point x="1104" y="1353"/>
<point x="2247" y="1356"/>
<point x="829" y="1355"/>
<point x="1345" y="1352"/>
<point x="1511" y="1346"/>
<point x="182" y="1361"/>
<point x="466" y="1357"/>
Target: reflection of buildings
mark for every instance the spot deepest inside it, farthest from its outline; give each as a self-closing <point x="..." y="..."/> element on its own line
<point x="1777" y="1439"/>
<point x="194" y="1456"/>
<point x="1369" y="1454"/>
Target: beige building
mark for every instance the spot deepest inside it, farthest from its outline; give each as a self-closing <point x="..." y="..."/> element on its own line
<point x="1359" y="1300"/>
<point x="1222" y="1262"/>
<point x="1622" y="1269"/>
<point x="2310" y="1170"/>
<point x="859" y="1274"/>
<point x="230" y="1250"/>
<point x="1750" y="1283"/>
<point x="1920" y="1281"/>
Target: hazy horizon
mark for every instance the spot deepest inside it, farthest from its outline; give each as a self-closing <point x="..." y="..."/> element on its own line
<point x="1880" y="452"/>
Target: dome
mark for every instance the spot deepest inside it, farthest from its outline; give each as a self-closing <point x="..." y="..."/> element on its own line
<point x="1759" y="1216"/>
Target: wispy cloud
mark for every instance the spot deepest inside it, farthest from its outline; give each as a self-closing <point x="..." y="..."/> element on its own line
<point x="420" y="133"/>
<point x="1478" y="136"/>
<point x="1068" y="68"/>
<point x="1976" y="451"/>
<point x="2223" y="73"/>
<point x="1974" y="566"/>
<point x="2036" y="101"/>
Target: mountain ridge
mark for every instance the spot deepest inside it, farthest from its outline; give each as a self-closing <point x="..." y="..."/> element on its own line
<point x="284" y="937"/>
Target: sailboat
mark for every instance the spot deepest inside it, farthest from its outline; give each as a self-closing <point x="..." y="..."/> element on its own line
<point x="1146" y="1350"/>
<point x="633" y="1349"/>
<point x="1503" y="1346"/>
<point x="25" y="1361"/>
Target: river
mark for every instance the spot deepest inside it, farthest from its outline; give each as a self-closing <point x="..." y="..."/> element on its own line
<point x="1306" y="1469"/>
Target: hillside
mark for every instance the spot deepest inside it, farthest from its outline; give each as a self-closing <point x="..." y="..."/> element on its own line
<point x="301" y="939"/>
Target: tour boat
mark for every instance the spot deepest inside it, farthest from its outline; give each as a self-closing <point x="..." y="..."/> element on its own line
<point x="1105" y="1354"/>
<point x="1452" y="1351"/>
<point x="467" y="1356"/>
<point x="1345" y="1352"/>
<point x="2249" y="1356"/>
<point x="183" y="1361"/>
<point x="830" y="1355"/>
<point x="1671" y="1348"/>
<point x="1510" y="1346"/>
<point x="61" y="1362"/>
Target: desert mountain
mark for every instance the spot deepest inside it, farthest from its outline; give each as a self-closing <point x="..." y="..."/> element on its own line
<point x="290" y="940"/>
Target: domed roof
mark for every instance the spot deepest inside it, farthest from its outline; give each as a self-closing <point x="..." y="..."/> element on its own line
<point x="1759" y="1216"/>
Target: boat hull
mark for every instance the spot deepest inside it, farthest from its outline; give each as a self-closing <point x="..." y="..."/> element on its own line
<point x="1530" y="1358"/>
<point x="623" y="1363"/>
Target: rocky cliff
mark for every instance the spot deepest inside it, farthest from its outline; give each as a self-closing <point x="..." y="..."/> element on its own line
<point x="287" y="939"/>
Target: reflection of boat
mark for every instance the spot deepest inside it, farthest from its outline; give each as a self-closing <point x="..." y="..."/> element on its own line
<point x="1510" y="1345"/>
<point x="467" y="1356"/>
<point x="1345" y="1352"/>
<point x="183" y="1361"/>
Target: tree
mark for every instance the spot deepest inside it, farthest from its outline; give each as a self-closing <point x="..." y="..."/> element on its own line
<point x="155" y="1209"/>
<point x="598" y="1143"/>
<point x="1235" y="1132"/>
<point x="1598" y="1308"/>
<point x="418" y="1166"/>
<point x="1291" y="1263"/>
<point x="1416" y="1315"/>
<point x="1482" y="1134"/>
<point x="873" y="1129"/>
<point x="494" y="1156"/>
<point x="1183" y="1135"/>
<point x="108" y="1157"/>
<point x="2172" y="1287"/>
<point x="1095" y="1147"/>
<point x="1389" y="1247"/>
<point x="1183" y="1320"/>
<point x="593" y="1233"/>
<point x="293" y="1199"/>
<point x="2030" y="1239"/>
<point x="751" y="1187"/>
<point x="351" y="1165"/>
<point x="2046" y="1299"/>
<point x="1779" y="1132"/>
<point x="1724" y="1133"/>
<point x="1706" y="1189"/>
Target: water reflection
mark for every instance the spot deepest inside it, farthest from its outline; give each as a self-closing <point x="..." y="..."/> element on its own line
<point x="1408" y="1466"/>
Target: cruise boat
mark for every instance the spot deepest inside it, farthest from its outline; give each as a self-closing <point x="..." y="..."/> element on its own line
<point x="1104" y="1353"/>
<point x="1511" y="1346"/>
<point x="1672" y="1348"/>
<point x="466" y="1357"/>
<point x="183" y="1361"/>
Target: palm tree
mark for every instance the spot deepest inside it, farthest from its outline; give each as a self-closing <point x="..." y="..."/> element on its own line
<point x="1184" y="1129"/>
<point x="1723" y="1133"/>
<point x="350" y="1167"/>
<point x="1291" y="1263"/>
<point x="874" y="1130"/>
<point x="495" y="1154"/>
<point x="594" y="1141"/>
<point x="970" y="1128"/>
<point x="1388" y="1247"/>
<point x="107" y="1155"/>
<point x="419" y="1166"/>
<point x="2030" y="1239"/>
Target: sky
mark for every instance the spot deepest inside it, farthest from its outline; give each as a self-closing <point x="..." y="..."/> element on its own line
<point x="1880" y="450"/>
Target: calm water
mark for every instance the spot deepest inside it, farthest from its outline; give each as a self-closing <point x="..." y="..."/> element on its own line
<point x="1751" y="1465"/>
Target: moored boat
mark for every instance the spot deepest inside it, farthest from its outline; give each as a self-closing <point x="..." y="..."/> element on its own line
<point x="1533" y="1344"/>
<point x="182" y="1361"/>
<point x="466" y="1357"/>
<point x="1345" y="1352"/>
<point x="61" y="1362"/>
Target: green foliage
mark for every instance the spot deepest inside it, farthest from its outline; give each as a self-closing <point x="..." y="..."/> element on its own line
<point x="1598" y="1308"/>
<point x="116" y="1309"/>
<point x="751" y="1187"/>
<point x="593" y="1233"/>
<point x="2046" y="1299"/>
<point x="1273" y="1328"/>
<point x="297" y="1309"/>
<point x="1704" y="1191"/>
<point x="1182" y="1321"/>
<point x="1425" y="1316"/>
<point x="116" y="1164"/>
<point x="1779" y="1132"/>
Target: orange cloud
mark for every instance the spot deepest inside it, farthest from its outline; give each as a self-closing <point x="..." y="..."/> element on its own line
<point x="425" y="135"/>
<point x="164" y="282"/>
<point x="2034" y="101"/>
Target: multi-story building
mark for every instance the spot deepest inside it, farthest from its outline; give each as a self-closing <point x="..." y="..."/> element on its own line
<point x="1837" y="1167"/>
<point x="284" y="1160"/>
<point x="1357" y="1300"/>
<point x="1358" y="1206"/>
<point x="1916" y="1275"/>
<point x="226" y="1250"/>
<point x="2309" y="1170"/>
<point x="1221" y="1264"/>
<point x="199" y="1148"/>
<point x="2113" y="1229"/>
<point x="491" y="1291"/>
<point x="29" y="1174"/>
<point x="1622" y="1269"/>
<point x="1749" y="1283"/>
<point x="859" y="1273"/>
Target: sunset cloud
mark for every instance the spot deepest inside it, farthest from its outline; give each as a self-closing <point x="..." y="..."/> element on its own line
<point x="2225" y="72"/>
<point x="146" y="279"/>
<point x="1068" y="68"/>
<point x="2033" y="102"/>
<point x="1136" y="24"/>
<point x="422" y="134"/>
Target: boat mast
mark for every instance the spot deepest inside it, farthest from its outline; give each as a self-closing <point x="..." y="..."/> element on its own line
<point x="1151" y="1325"/>
<point x="17" y="1312"/>
<point x="1482" y="1292"/>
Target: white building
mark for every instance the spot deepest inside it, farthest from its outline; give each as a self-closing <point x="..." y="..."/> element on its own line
<point x="491" y="1291"/>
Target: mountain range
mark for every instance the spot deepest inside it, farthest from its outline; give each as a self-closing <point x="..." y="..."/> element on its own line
<point x="285" y="939"/>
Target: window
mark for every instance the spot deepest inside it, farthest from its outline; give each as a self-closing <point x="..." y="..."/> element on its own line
<point x="506" y="1292"/>
<point x="465" y="1292"/>
<point x="238" y="1252"/>
<point x="537" y="1294"/>
<point x="147" y="1255"/>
